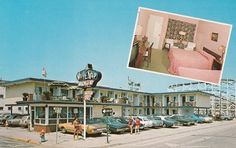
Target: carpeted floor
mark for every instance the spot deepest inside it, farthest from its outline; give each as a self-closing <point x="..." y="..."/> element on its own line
<point x="159" y="61"/>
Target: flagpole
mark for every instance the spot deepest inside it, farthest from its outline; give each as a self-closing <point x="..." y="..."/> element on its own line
<point x="44" y="74"/>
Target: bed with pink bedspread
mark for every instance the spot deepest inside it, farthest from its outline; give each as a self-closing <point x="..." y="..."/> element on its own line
<point x="191" y="59"/>
<point x="200" y="74"/>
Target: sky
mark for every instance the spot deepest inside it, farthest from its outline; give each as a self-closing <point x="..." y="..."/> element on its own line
<point x="65" y="35"/>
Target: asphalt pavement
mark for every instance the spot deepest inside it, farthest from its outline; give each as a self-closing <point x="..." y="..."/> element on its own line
<point x="219" y="134"/>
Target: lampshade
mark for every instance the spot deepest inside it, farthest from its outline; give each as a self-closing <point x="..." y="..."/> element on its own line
<point x="182" y="33"/>
<point x="221" y="49"/>
<point x="139" y="30"/>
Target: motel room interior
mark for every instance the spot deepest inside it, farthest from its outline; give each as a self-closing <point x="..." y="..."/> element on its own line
<point x="178" y="45"/>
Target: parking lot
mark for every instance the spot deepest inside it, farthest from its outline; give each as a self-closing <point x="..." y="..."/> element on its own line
<point x="217" y="134"/>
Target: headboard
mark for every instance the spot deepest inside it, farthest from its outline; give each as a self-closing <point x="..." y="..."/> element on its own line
<point x="212" y="53"/>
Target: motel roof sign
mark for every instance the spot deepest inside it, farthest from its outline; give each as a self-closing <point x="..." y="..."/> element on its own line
<point x="88" y="77"/>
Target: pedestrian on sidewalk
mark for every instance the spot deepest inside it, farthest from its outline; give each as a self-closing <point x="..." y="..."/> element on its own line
<point x="77" y="128"/>
<point x="137" y="125"/>
<point x="131" y="124"/>
<point x="42" y="136"/>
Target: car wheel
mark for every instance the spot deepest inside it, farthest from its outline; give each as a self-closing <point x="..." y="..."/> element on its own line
<point x="63" y="130"/>
<point x="164" y="125"/>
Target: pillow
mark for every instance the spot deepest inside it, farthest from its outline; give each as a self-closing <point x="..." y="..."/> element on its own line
<point x="190" y="46"/>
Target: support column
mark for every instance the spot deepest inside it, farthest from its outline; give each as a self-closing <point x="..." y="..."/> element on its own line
<point x="46" y="115"/>
<point x="67" y="114"/>
<point x="30" y="117"/>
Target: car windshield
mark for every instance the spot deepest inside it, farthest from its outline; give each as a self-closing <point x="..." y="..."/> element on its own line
<point x="145" y="119"/>
<point x="24" y="117"/>
<point x="93" y="121"/>
<point x="157" y="118"/>
<point x="167" y="118"/>
<point x="112" y="120"/>
<point x="150" y="118"/>
<point x="18" y="117"/>
<point x="122" y="120"/>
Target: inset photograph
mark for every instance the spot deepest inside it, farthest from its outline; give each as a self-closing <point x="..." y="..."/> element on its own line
<point x="179" y="45"/>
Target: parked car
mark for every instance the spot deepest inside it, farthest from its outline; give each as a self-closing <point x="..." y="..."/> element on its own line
<point x="92" y="127"/>
<point x="3" y="118"/>
<point x="226" y="117"/>
<point x="25" y="120"/>
<point x="181" y="119"/>
<point x="167" y="121"/>
<point x="6" y="117"/>
<point x="196" y="119"/>
<point x="114" y="125"/>
<point x="156" y="122"/>
<point x="206" y="119"/>
<point x="14" y="121"/>
<point x="145" y="121"/>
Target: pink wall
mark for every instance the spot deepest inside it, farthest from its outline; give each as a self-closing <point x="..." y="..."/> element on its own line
<point x="144" y="17"/>
<point x="203" y="38"/>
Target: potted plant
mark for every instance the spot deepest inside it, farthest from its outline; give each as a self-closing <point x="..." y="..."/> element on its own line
<point x="104" y="99"/>
<point x="46" y="95"/>
<point x="25" y="96"/>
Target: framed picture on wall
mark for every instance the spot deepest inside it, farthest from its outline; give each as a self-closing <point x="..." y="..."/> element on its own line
<point x="214" y="36"/>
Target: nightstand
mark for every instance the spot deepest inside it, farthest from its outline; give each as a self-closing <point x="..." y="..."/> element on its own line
<point x="217" y="65"/>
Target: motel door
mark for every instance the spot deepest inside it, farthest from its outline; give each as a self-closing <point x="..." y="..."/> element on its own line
<point x="154" y="30"/>
<point x="32" y="118"/>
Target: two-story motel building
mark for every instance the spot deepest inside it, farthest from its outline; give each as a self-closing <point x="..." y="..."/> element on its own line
<point x="38" y="97"/>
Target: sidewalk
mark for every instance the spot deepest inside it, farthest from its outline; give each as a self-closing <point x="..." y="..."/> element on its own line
<point x="64" y="140"/>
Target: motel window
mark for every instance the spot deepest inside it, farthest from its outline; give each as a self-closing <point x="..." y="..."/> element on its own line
<point x="140" y="111"/>
<point x="116" y="96"/>
<point x="79" y="112"/>
<point x="153" y="111"/>
<point x="26" y="108"/>
<point x="123" y="94"/>
<point x="1" y="96"/>
<point x="63" y="112"/>
<point x="40" y="112"/>
<point x="191" y="98"/>
<point x="19" y="108"/>
<point x="110" y="94"/>
<point x="38" y="90"/>
<point x="101" y="94"/>
<point x="51" y="90"/>
<point x="1" y="108"/>
<point x="9" y="108"/>
<point x="53" y="114"/>
<point x="64" y="92"/>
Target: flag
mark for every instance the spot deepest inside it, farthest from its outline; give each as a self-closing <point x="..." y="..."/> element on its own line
<point x="44" y="72"/>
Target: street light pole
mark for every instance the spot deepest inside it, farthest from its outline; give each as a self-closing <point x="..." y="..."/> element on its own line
<point x="57" y="129"/>
<point x="84" y="119"/>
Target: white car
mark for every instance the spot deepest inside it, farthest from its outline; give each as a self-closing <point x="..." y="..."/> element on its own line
<point x="25" y="121"/>
<point x="145" y="121"/>
<point x="207" y="119"/>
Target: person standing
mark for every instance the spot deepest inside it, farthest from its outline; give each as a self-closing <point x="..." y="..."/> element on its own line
<point x="131" y="124"/>
<point x="137" y="125"/>
<point x="77" y="128"/>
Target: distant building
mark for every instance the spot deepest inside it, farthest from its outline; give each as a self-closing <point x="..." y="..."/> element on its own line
<point x="2" y="96"/>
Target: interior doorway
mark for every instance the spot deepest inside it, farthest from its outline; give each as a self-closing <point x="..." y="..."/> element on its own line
<point x="154" y="30"/>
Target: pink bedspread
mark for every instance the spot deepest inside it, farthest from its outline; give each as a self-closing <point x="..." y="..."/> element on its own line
<point x="191" y="59"/>
<point x="200" y="74"/>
